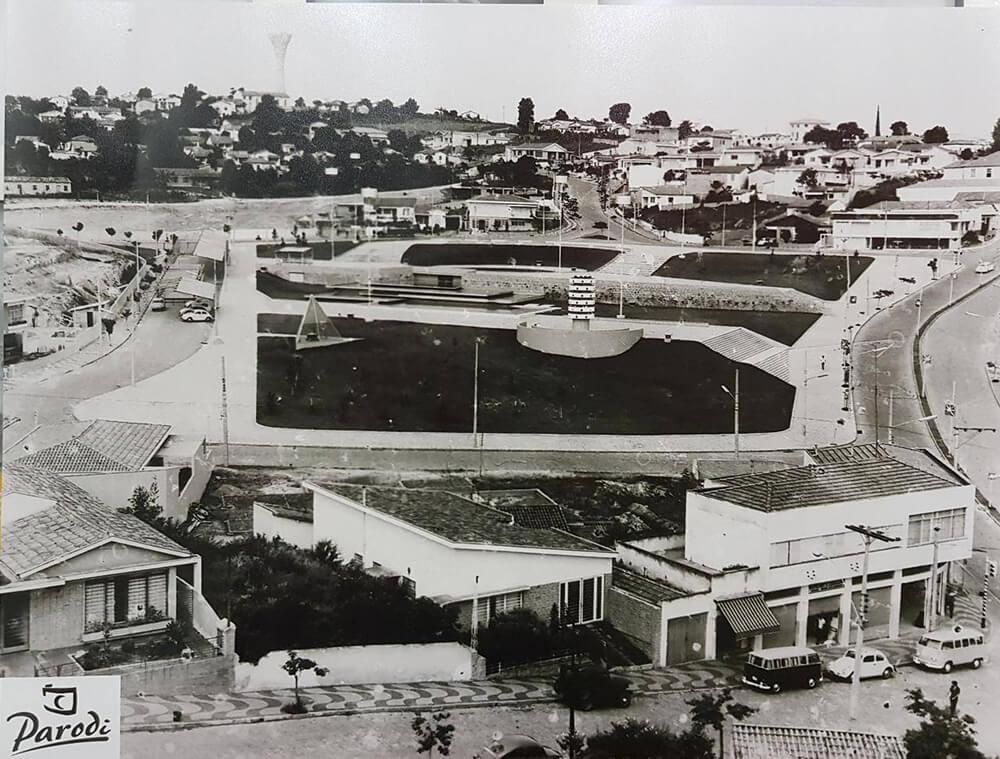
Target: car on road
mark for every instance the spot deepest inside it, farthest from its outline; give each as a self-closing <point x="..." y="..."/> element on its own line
<point x="985" y="267"/>
<point x="202" y="304"/>
<point x="777" y="669"/>
<point x="158" y="304"/>
<point x="873" y="664"/>
<point x="590" y="685"/>
<point x="517" y="747"/>
<point x="195" y="315"/>
<point x="951" y="647"/>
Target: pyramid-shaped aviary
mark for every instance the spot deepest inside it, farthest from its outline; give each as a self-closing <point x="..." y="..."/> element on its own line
<point x="316" y="329"/>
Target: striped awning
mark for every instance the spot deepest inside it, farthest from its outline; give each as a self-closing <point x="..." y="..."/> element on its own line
<point x="748" y="615"/>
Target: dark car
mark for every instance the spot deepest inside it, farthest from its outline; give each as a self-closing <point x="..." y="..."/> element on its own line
<point x="517" y="747"/>
<point x="590" y="685"/>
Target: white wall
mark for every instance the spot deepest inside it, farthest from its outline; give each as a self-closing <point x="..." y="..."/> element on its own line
<point x="415" y="662"/>
<point x="440" y="569"/>
<point x="113" y="489"/>
<point x="292" y="531"/>
<point x="645" y="175"/>
<point x="720" y="534"/>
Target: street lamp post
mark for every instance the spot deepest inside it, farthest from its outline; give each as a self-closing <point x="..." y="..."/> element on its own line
<point x="805" y="401"/>
<point x="869" y="535"/>
<point x="735" y="395"/>
<point x="932" y="606"/>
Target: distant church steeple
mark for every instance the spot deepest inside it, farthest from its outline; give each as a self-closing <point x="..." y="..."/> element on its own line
<point x="878" y="121"/>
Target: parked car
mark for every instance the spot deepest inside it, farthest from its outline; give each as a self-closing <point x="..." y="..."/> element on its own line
<point x="517" y="747"/>
<point x="873" y="664"/>
<point x="590" y="685"/>
<point x="158" y="304"/>
<point x="202" y="304"/>
<point x="992" y="371"/>
<point x="776" y="669"/>
<point x="195" y="315"/>
<point x="951" y="647"/>
<point x="985" y="267"/>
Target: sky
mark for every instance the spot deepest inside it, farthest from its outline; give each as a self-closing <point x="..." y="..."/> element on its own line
<point x="752" y="68"/>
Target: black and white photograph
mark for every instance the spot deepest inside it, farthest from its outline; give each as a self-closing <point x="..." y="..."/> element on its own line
<point x="389" y="381"/>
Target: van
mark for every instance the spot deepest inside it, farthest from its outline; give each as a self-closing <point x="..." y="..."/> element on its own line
<point x="775" y="669"/>
<point x="951" y="647"/>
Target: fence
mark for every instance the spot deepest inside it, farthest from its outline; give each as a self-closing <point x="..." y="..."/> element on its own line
<point x="195" y="612"/>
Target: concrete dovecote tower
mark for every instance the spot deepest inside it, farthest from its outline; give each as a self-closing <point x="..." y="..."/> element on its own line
<point x="582" y="300"/>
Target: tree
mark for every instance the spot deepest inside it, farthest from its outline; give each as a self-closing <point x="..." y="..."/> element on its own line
<point x="996" y="135"/>
<point x="936" y="135"/>
<point x="525" y="115"/>
<point x="80" y="96"/>
<point x="295" y="665"/>
<point x="619" y="113"/>
<point x="684" y="129"/>
<point x="658" y="118"/>
<point x="639" y="739"/>
<point x="144" y="503"/>
<point x="808" y="178"/>
<point x="561" y="115"/>
<point x="940" y="735"/>
<point x="144" y="93"/>
<point x="899" y="128"/>
<point x="850" y="132"/>
<point x="712" y="710"/>
<point x="409" y="109"/>
<point x="967" y="154"/>
<point x="434" y="733"/>
<point x="101" y="93"/>
<point x="514" y="637"/>
<point x="822" y="136"/>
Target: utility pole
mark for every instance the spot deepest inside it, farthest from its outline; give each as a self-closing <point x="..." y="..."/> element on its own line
<point x="869" y="535"/>
<point x="225" y="411"/>
<point x="932" y="616"/>
<point x="475" y="395"/>
<point x="723" y="225"/>
<point x="735" y="395"/>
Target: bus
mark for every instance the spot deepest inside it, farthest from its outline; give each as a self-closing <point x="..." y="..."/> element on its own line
<point x="774" y="669"/>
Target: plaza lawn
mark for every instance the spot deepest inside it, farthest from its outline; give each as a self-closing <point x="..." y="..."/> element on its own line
<point x="419" y="378"/>
<point x="493" y="254"/>
<point x="821" y="276"/>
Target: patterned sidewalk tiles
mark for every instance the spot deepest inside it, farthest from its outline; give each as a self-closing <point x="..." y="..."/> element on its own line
<point x="147" y="712"/>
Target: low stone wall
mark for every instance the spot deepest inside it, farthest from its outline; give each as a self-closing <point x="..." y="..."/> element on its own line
<point x="655" y="291"/>
<point x="213" y="674"/>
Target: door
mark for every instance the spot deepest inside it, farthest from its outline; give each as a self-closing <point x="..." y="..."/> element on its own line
<point x="869" y="666"/>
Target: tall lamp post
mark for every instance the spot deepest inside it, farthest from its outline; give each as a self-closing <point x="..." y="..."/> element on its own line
<point x="869" y="535"/>
<point x="225" y="400"/>
<point x="735" y="395"/>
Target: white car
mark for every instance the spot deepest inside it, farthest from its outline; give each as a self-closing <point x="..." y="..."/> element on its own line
<point x="196" y="315"/>
<point x="873" y="664"/>
<point x="985" y="267"/>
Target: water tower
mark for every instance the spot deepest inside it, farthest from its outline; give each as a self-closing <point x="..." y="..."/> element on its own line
<point x="280" y="41"/>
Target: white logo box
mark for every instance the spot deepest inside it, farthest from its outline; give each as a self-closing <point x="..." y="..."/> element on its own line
<point x="60" y="717"/>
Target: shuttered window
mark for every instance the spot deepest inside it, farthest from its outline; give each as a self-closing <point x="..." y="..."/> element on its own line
<point x="487" y="608"/>
<point x="122" y="600"/>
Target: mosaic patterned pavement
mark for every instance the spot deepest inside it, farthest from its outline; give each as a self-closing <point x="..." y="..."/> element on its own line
<point x="140" y="713"/>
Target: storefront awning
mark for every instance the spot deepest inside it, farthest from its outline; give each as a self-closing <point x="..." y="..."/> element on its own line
<point x="196" y="287"/>
<point x="748" y="615"/>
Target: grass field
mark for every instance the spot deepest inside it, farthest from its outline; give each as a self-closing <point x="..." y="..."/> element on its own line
<point x="821" y="276"/>
<point x="419" y="378"/>
<point x="487" y="254"/>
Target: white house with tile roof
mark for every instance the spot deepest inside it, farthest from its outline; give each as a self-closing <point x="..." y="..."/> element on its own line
<point x="73" y="570"/>
<point x="766" y="559"/>
<point x="109" y="459"/>
<point x="543" y="152"/>
<point x="458" y="551"/>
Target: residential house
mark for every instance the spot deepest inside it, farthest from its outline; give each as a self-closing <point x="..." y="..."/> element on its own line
<point x="17" y="187"/>
<point x="720" y="139"/>
<point x="818" y="157"/>
<point x="75" y="571"/>
<point x="166" y="102"/>
<point x="377" y="136"/>
<point x="263" y="159"/>
<point x="699" y="182"/>
<point x="507" y="213"/>
<point x="740" y="156"/>
<point x="60" y="102"/>
<point x="748" y="741"/>
<point x="796" y="228"/>
<point x="543" y="152"/>
<point x="474" y="139"/>
<point x="462" y="553"/>
<point x="109" y="459"/>
<point x="890" y="142"/>
<point x="33" y="139"/>
<point x="647" y="174"/>
<point x="247" y="100"/>
<point x="50" y="117"/>
<point x="801" y="127"/>
<point x="220" y="142"/>
<point x="663" y="135"/>
<point x="80" y="146"/>
<point x="770" y="140"/>
<point x="664" y="197"/>
<point x="375" y="210"/>
<point x="936" y="225"/>
<point x="360" y="108"/>
<point x="203" y="178"/>
<point x="767" y="559"/>
<point x="144" y="106"/>
<point x="315" y="127"/>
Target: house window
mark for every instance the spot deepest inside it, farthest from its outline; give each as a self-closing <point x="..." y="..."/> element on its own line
<point x="487" y="608"/>
<point x="921" y="529"/>
<point x="582" y="601"/>
<point x="125" y="601"/>
<point x="14" y="621"/>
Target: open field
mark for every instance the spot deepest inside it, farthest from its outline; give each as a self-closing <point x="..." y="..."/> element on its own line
<point x="821" y="276"/>
<point x="493" y="254"/>
<point x="419" y="377"/>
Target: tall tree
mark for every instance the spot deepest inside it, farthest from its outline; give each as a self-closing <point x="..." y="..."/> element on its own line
<point x="144" y="93"/>
<point x="850" y="132"/>
<point x="685" y="129"/>
<point x="619" y="113"/>
<point x="80" y="96"/>
<point x="526" y="116"/>
<point x="996" y="135"/>
<point x="940" y="734"/>
<point x="712" y="710"/>
<point x="561" y="115"/>
<point x="936" y="135"/>
<point x="658" y="118"/>
<point x="101" y="93"/>
<point x="409" y="109"/>
<point x="899" y="128"/>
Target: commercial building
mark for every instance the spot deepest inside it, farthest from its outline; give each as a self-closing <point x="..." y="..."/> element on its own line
<point x="20" y="187"/>
<point x="767" y="559"/>
<point x="939" y="225"/>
